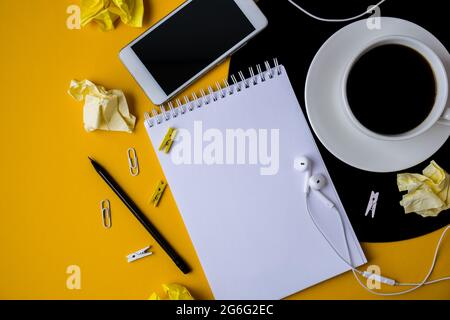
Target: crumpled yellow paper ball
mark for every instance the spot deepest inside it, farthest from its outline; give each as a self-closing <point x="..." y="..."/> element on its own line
<point x="174" y="292"/>
<point x="428" y="193"/>
<point x="106" y="12"/>
<point x="103" y="110"/>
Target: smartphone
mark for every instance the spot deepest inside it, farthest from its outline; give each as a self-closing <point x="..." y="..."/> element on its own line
<point x="188" y="42"/>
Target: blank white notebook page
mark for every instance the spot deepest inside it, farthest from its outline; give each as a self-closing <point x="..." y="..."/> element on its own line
<point x="243" y="204"/>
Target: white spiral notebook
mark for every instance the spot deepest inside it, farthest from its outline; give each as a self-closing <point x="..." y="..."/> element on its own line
<point x="231" y="172"/>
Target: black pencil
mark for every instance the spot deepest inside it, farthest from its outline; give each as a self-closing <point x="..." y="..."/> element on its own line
<point x="141" y="217"/>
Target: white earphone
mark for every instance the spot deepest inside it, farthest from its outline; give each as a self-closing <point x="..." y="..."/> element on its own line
<point x="303" y="164"/>
<point x="316" y="183"/>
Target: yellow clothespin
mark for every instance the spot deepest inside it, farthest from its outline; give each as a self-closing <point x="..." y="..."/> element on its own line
<point x="156" y="197"/>
<point x="166" y="144"/>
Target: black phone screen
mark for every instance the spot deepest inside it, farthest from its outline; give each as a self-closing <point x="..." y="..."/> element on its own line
<point x="191" y="40"/>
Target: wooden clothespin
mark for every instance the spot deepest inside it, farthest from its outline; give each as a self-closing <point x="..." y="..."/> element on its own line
<point x="169" y="138"/>
<point x="157" y="194"/>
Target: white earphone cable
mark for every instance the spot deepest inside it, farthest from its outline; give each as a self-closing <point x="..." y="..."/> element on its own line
<point x="357" y="272"/>
<point x="336" y="20"/>
<point x="326" y="238"/>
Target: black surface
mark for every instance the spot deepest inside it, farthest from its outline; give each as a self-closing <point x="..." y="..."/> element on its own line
<point x="175" y="51"/>
<point x="294" y="39"/>
<point x="218" y="309"/>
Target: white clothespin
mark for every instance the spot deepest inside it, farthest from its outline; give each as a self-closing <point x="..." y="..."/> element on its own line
<point x="372" y="205"/>
<point x="139" y="254"/>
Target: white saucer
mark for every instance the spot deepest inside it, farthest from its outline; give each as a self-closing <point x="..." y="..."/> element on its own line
<point x="327" y="115"/>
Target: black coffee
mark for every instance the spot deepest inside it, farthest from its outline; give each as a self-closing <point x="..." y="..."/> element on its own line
<point x="391" y="89"/>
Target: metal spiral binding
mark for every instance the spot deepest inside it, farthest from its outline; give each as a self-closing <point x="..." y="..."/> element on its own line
<point x="210" y="95"/>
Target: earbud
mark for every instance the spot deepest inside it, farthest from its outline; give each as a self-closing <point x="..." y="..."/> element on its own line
<point x="303" y="164"/>
<point x="317" y="182"/>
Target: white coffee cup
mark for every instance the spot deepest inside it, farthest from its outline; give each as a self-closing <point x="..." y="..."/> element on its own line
<point x="439" y="112"/>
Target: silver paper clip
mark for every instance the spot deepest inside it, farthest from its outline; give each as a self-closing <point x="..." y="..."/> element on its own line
<point x="105" y="208"/>
<point x="139" y="254"/>
<point x="133" y="162"/>
<point x="372" y="205"/>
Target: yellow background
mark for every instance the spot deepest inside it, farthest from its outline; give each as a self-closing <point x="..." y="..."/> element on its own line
<point x="49" y="208"/>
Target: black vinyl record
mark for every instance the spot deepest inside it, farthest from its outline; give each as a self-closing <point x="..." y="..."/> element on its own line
<point x="294" y="38"/>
